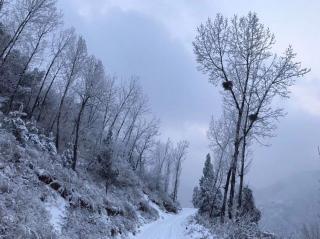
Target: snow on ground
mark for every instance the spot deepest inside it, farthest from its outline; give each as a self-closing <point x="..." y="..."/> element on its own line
<point x="56" y="208"/>
<point x="169" y="226"/>
<point x="173" y="226"/>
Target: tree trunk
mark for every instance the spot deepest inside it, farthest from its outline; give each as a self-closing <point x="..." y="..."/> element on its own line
<point x="122" y="123"/>
<point x="42" y="85"/>
<point x="46" y="94"/>
<point x="175" y="189"/>
<point x="237" y="142"/>
<point x="59" y="114"/>
<point x="225" y="196"/>
<point x="139" y="161"/>
<point x="71" y="75"/>
<point x="176" y="181"/>
<point x="23" y="72"/>
<point x="167" y="179"/>
<point x="232" y="192"/>
<point x="104" y="123"/>
<point x="243" y="154"/>
<point x="76" y="142"/>
<point x="233" y="179"/>
<point x="8" y="48"/>
<point x="130" y="155"/>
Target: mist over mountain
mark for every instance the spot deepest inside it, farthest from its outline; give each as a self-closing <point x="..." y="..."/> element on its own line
<point x="291" y="203"/>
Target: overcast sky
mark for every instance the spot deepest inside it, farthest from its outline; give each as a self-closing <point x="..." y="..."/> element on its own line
<point x="153" y="40"/>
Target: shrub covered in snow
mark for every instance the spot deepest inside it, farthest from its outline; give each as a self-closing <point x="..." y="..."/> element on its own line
<point x="243" y="229"/>
<point x="207" y="197"/>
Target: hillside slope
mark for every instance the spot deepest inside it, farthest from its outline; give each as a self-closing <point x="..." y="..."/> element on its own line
<point x="41" y="197"/>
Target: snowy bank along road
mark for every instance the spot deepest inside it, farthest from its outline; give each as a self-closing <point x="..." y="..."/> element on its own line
<point x="169" y="226"/>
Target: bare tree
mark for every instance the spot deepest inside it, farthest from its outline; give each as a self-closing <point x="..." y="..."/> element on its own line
<point x="128" y="111"/>
<point x="124" y="98"/>
<point x="220" y="134"/>
<point x="87" y="89"/>
<point x="57" y="71"/>
<point x="168" y="172"/>
<point x="161" y="155"/>
<point x="138" y="110"/>
<point x="25" y="13"/>
<point x="179" y="155"/>
<point x="237" y="53"/>
<point x="76" y="56"/>
<point x="147" y="141"/>
<point x="36" y="43"/>
<point x="57" y="48"/>
<point x="107" y="100"/>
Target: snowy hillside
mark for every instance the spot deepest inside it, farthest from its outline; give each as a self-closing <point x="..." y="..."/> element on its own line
<point x="291" y="203"/>
<point x="42" y="198"/>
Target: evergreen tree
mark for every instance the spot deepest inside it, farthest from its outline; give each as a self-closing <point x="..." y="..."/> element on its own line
<point x="196" y="199"/>
<point x="206" y="197"/>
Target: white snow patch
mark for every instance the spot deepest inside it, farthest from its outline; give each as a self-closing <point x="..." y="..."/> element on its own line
<point x="57" y="210"/>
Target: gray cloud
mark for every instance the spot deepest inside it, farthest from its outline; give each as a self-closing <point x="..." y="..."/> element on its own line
<point x="152" y="39"/>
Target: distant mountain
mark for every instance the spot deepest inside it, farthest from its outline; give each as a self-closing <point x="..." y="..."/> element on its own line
<point x="291" y="203"/>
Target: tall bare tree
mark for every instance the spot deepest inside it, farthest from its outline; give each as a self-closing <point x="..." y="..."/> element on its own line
<point x="26" y="13"/>
<point x="179" y="155"/>
<point x="36" y="41"/>
<point x="161" y="155"/>
<point x="58" y="46"/>
<point x="76" y="57"/>
<point x="237" y="53"/>
<point x="87" y="89"/>
<point x="220" y="134"/>
<point x="124" y="98"/>
<point x="107" y="101"/>
<point x="56" y="72"/>
<point x="147" y="142"/>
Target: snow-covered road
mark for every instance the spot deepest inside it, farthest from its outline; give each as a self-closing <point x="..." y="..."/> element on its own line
<point x="169" y="226"/>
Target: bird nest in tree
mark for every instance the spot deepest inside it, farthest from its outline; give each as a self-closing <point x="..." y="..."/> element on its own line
<point x="227" y="85"/>
<point x="253" y="117"/>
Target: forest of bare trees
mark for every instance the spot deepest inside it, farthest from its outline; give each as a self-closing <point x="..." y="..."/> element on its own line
<point x="47" y="72"/>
